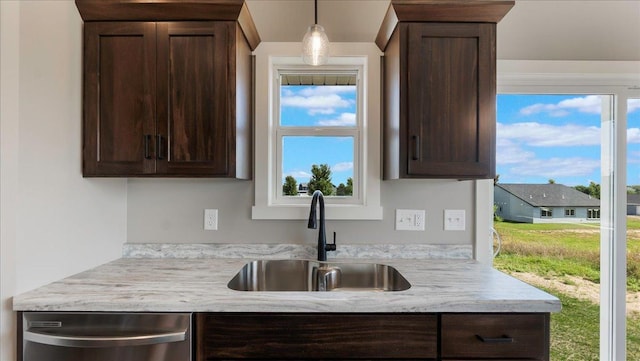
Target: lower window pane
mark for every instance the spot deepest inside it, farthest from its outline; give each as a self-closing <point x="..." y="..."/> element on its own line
<point x="317" y="162"/>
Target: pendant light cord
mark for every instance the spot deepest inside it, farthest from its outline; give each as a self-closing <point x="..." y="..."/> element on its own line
<point x="315" y="12"/>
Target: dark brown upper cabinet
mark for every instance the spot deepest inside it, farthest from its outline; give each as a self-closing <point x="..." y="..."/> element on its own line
<point x="439" y="108"/>
<point x="167" y="88"/>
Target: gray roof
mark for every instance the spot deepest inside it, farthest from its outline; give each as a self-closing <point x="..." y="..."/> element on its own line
<point x="550" y="195"/>
<point x="633" y="199"/>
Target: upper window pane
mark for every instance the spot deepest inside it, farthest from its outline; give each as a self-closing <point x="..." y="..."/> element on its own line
<point x="320" y="100"/>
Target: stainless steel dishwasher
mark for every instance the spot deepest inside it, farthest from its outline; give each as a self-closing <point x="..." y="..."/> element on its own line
<point x="74" y="336"/>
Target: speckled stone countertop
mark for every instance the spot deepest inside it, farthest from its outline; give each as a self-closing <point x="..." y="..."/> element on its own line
<point x="200" y="285"/>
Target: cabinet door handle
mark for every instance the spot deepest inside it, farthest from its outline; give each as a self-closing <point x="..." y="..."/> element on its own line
<point x="160" y="153"/>
<point x="147" y="141"/>
<point x="502" y="339"/>
<point x="416" y="147"/>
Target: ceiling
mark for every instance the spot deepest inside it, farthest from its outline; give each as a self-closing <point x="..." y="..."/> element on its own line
<point x="532" y="30"/>
<point x="343" y="20"/>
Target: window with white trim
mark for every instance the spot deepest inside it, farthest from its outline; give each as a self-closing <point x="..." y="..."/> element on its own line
<point x="316" y="120"/>
<point x="317" y="136"/>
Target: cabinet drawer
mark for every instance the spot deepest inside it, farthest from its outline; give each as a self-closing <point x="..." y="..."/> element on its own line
<point x="316" y="336"/>
<point x="495" y="336"/>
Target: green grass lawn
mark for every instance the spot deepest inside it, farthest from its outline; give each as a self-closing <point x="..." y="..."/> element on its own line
<point x="556" y="250"/>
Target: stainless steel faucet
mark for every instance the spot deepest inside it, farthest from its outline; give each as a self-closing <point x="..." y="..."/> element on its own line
<point x="323" y="247"/>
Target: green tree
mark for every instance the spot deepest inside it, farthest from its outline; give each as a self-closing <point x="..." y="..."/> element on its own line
<point x="583" y="189"/>
<point x="552" y="181"/>
<point x="349" y="189"/>
<point x="320" y="179"/>
<point x="594" y="190"/>
<point x="345" y="190"/>
<point x="290" y="186"/>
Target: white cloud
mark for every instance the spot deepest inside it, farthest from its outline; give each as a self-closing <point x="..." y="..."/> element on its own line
<point x="314" y="101"/>
<point x="298" y="174"/>
<point x="633" y="135"/>
<point x="546" y="135"/>
<point x="326" y="89"/>
<point x="591" y="104"/>
<point x="345" y="119"/>
<point x="343" y="166"/>
<point x="557" y="167"/>
<point x="633" y="105"/>
<point x="509" y="152"/>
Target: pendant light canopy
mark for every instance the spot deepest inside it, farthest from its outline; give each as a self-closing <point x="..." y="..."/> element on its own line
<point x="315" y="44"/>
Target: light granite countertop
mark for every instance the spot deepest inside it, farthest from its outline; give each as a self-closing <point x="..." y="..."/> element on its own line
<point x="200" y="285"/>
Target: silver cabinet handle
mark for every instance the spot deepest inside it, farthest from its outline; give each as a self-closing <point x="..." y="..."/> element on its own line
<point x="105" y="341"/>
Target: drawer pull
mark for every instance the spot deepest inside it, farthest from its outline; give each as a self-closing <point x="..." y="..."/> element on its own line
<point x="159" y="152"/>
<point x="147" y="140"/>
<point x="503" y="339"/>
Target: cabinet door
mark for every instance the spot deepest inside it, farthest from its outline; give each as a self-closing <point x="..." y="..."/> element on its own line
<point x="195" y="129"/>
<point x="450" y="100"/>
<point x="119" y="98"/>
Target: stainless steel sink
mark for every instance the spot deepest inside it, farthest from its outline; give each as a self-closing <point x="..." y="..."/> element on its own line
<point x="305" y="275"/>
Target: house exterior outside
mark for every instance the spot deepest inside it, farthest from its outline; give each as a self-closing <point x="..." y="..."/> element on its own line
<point x="544" y="203"/>
<point x="633" y="204"/>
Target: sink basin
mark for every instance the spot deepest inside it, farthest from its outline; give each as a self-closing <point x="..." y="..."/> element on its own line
<point x="306" y="275"/>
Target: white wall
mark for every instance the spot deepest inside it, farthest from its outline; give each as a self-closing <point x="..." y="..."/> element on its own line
<point x="54" y="223"/>
<point x="593" y="30"/>
<point x="171" y="210"/>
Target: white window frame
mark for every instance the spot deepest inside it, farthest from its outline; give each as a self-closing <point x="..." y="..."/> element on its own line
<point x="270" y="58"/>
<point x="622" y="80"/>
<point x="339" y="131"/>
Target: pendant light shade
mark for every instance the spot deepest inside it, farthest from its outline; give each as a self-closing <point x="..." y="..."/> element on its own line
<point x="315" y="44"/>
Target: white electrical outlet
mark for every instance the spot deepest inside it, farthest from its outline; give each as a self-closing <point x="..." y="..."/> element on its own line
<point x="211" y="219"/>
<point x="410" y="219"/>
<point x="454" y="220"/>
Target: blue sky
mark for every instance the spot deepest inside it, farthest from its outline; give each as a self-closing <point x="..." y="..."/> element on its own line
<point x="313" y="106"/>
<point x="539" y="137"/>
<point x="542" y="137"/>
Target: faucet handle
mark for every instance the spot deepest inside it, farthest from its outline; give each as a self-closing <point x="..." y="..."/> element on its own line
<point x="331" y="246"/>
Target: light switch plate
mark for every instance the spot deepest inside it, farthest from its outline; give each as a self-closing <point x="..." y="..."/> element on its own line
<point x="454" y="220"/>
<point x="410" y="219"/>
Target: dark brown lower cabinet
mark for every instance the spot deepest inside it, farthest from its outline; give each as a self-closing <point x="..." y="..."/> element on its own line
<point x="494" y="337"/>
<point x="371" y="336"/>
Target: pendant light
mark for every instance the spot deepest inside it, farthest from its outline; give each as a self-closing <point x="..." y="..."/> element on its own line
<point x="315" y="44"/>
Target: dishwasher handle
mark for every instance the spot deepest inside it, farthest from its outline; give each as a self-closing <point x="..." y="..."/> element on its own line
<point x="141" y="339"/>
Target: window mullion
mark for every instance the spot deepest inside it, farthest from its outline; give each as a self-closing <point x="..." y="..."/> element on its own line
<point x="613" y="231"/>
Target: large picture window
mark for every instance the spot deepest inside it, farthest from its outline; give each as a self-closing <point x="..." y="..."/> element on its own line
<point x="612" y="97"/>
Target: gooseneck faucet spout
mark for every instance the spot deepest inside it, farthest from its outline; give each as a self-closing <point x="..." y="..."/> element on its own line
<point x="323" y="247"/>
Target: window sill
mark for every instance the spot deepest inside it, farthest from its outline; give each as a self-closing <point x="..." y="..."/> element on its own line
<point x="332" y="212"/>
